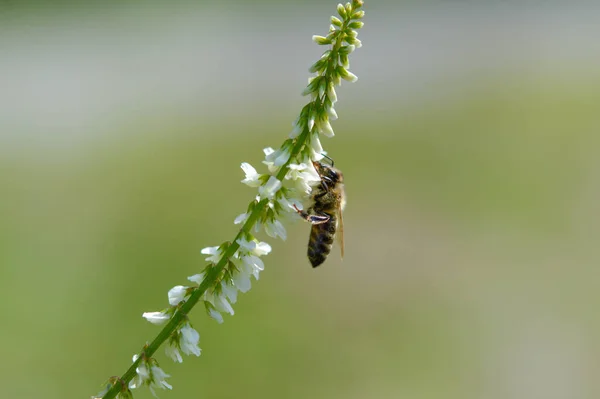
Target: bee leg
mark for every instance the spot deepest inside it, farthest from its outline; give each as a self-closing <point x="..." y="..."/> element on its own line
<point x="324" y="180"/>
<point x="313" y="219"/>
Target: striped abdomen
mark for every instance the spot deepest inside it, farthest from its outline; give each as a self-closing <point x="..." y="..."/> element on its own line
<point x="321" y="240"/>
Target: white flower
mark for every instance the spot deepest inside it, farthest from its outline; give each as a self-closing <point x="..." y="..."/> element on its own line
<point x="324" y="127"/>
<point x="153" y="377"/>
<point x="275" y="229"/>
<point x="311" y="121"/>
<point x="189" y="340"/>
<point x="316" y="148"/>
<point x="331" y="112"/>
<point x="215" y="304"/>
<point x="268" y="161"/>
<point x="214" y="252"/>
<point x="290" y="203"/>
<point x="251" y="264"/>
<point x="252" y="177"/>
<point x="298" y="127"/>
<point x="277" y="158"/>
<point x="212" y="312"/>
<point x="156" y="317"/>
<point x="229" y="291"/>
<point x="331" y="95"/>
<point x="254" y="264"/>
<point x="222" y="304"/>
<point x="241" y="279"/>
<point x="253" y="247"/>
<point x="197" y="278"/>
<point x="177" y="294"/>
<point x="304" y="175"/>
<point x="241" y="218"/>
<point x="158" y="380"/>
<point x="270" y="188"/>
<point x="172" y="351"/>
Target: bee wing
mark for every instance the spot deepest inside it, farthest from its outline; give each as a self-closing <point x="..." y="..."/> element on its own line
<point x="341" y="229"/>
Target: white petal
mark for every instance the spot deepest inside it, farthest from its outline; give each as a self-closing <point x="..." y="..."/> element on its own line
<point x="242" y="281"/>
<point x="275" y="229"/>
<point x="262" y="248"/>
<point x="177" y="294"/>
<point x="248" y="169"/>
<point x="214" y="252"/>
<point x="209" y="250"/>
<point x="172" y="352"/>
<point x="325" y="128"/>
<point x="197" y="278"/>
<point x="215" y="315"/>
<point x="270" y="188"/>
<point x="189" y="340"/>
<point x="246" y="246"/>
<point x="252" y="177"/>
<point x="222" y="305"/>
<point x="229" y="291"/>
<point x="240" y="218"/>
<point x="159" y="378"/>
<point x="317" y="148"/>
<point x="157" y="318"/>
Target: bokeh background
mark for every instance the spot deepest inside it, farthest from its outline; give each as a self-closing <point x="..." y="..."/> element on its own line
<point x="470" y="150"/>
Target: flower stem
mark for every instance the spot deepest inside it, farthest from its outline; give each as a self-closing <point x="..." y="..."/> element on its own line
<point x="209" y="281"/>
<point x="214" y="273"/>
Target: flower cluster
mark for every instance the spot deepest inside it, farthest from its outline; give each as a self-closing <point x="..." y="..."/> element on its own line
<point x="281" y="191"/>
<point x="149" y="374"/>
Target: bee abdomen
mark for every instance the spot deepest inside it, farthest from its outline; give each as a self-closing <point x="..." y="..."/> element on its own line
<point x="320" y="242"/>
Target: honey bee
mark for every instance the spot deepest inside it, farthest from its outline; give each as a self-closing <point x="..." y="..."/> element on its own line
<point x="325" y="214"/>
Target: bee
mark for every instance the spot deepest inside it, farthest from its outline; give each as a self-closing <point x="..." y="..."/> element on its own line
<point x="325" y="214"/>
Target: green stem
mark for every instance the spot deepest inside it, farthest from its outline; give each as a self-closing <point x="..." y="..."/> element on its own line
<point x="209" y="280"/>
<point x="215" y="272"/>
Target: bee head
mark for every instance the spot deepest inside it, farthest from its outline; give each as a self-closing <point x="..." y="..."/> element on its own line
<point x="328" y="173"/>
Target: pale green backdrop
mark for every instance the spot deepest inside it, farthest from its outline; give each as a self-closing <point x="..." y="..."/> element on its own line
<point x="470" y="152"/>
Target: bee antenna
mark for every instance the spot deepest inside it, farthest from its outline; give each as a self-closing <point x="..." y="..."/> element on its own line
<point x="328" y="157"/>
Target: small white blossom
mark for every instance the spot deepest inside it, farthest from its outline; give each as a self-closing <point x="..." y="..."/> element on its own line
<point x="253" y="247"/>
<point x="212" y="312"/>
<point x="242" y="281"/>
<point x="298" y="127"/>
<point x="150" y="375"/>
<point x="268" y="159"/>
<point x="305" y="176"/>
<point x="332" y="113"/>
<point x="275" y="229"/>
<point x="324" y="127"/>
<point x="197" y="278"/>
<point x="316" y="148"/>
<point x="249" y="253"/>
<point x="241" y="218"/>
<point x="277" y="158"/>
<point x="255" y="264"/>
<point x="189" y="340"/>
<point x="331" y="94"/>
<point x="172" y="351"/>
<point x="290" y="203"/>
<point x="311" y="122"/>
<point x="229" y="291"/>
<point x="262" y="248"/>
<point x="157" y="318"/>
<point x="214" y="252"/>
<point x="252" y="177"/>
<point x="270" y="188"/>
<point x="177" y="294"/>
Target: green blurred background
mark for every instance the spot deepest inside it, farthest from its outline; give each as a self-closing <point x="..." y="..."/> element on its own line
<point x="469" y="147"/>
